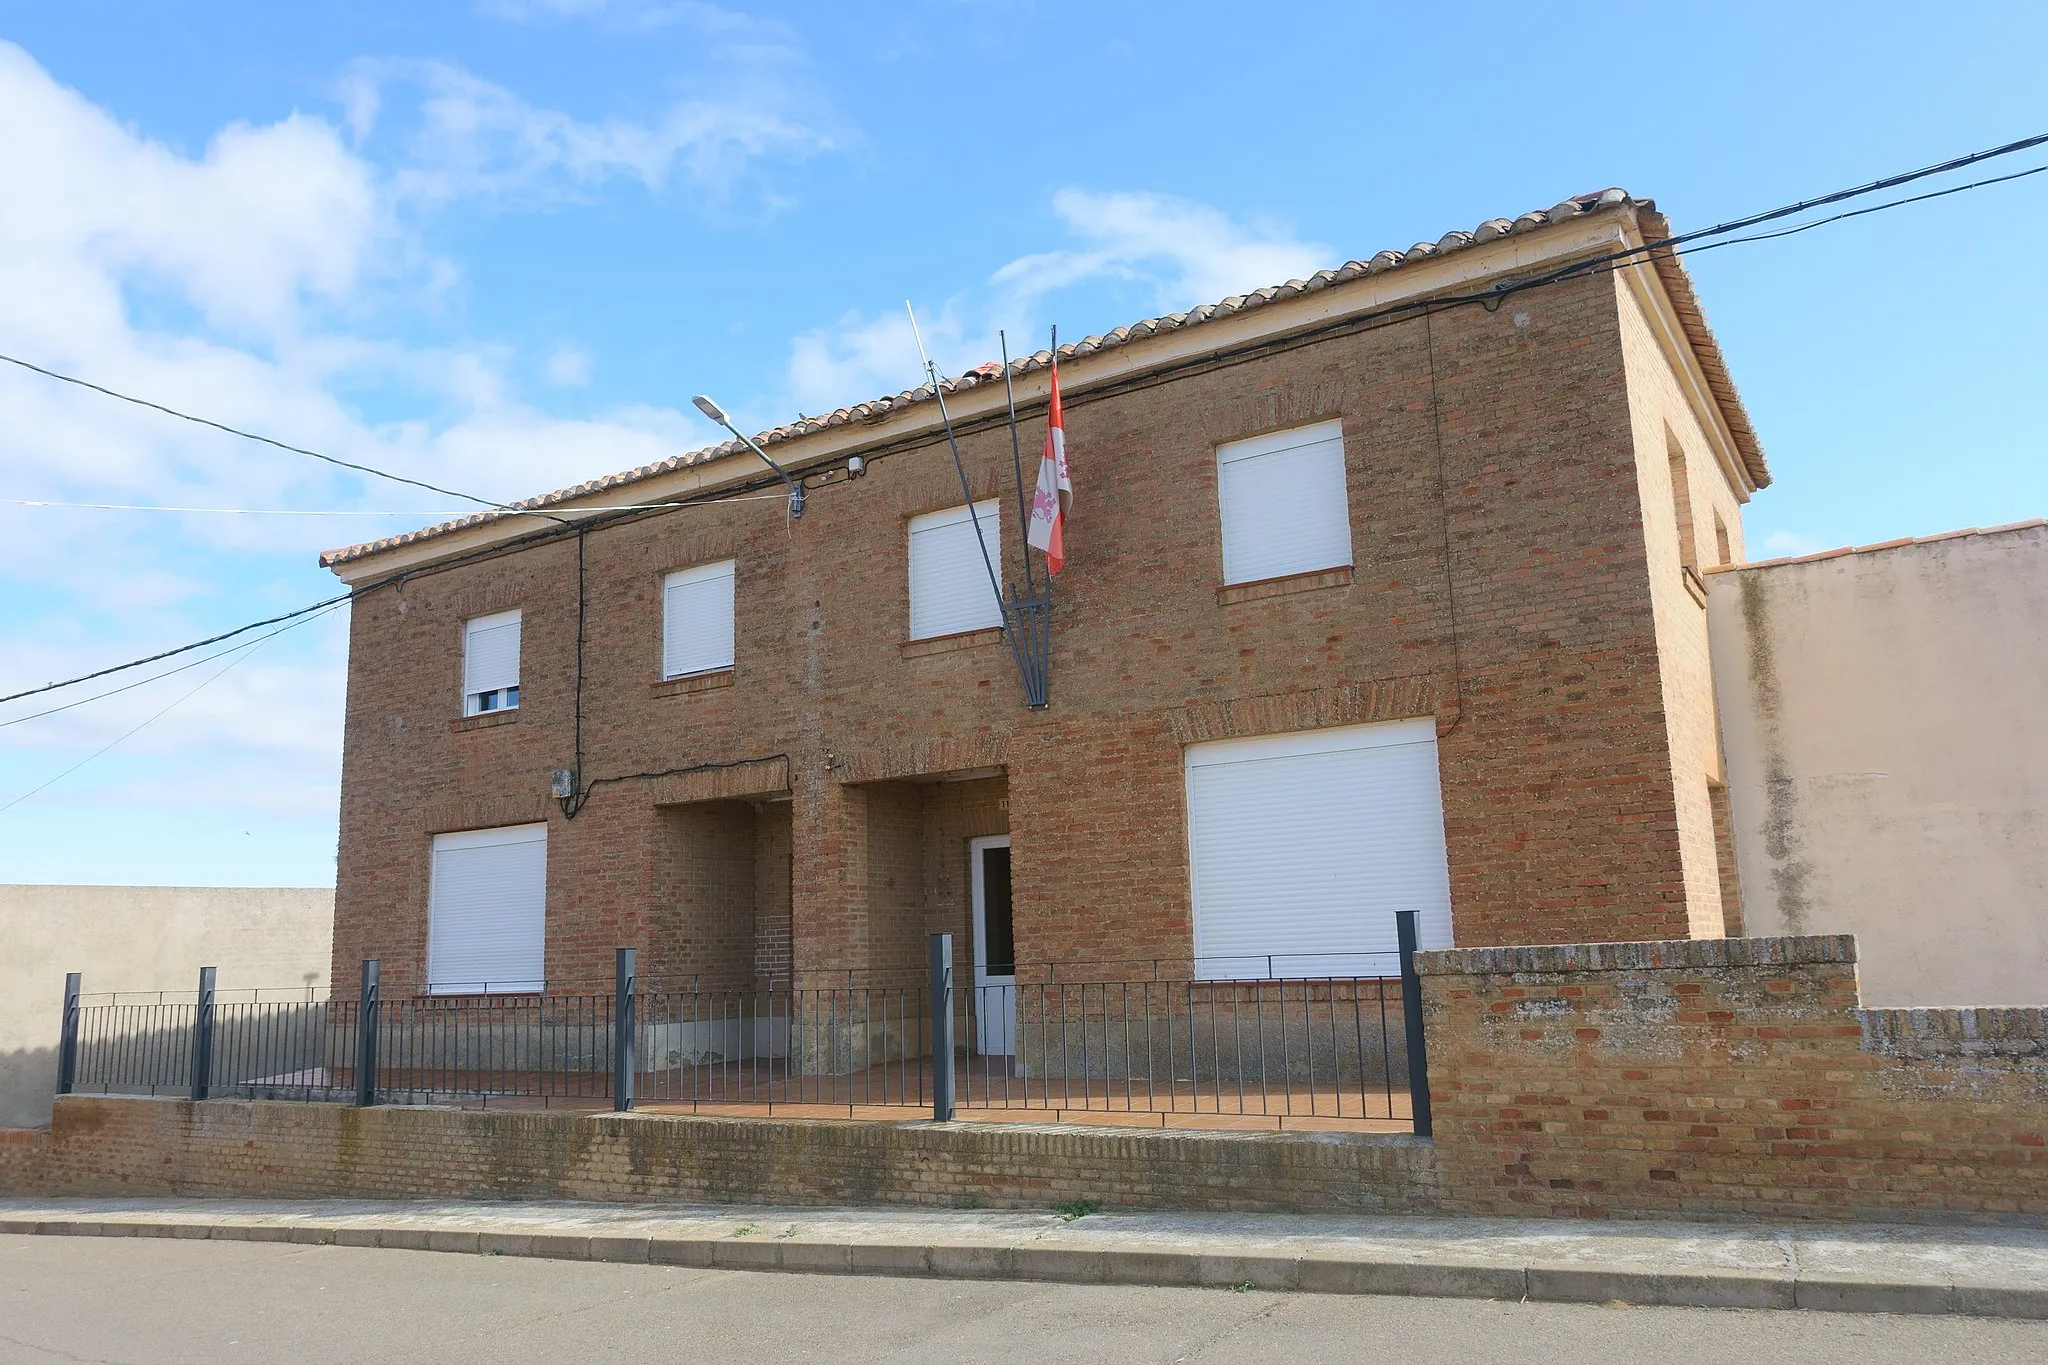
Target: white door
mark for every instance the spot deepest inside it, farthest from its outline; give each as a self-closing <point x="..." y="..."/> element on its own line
<point x="995" y="948"/>
<point x="1303" y="846"/>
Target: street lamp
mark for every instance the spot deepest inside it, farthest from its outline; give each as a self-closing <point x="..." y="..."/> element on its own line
<point x="717" y="414"/>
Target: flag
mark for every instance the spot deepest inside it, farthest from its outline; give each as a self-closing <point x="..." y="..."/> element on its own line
<point x="1055" y="493"/>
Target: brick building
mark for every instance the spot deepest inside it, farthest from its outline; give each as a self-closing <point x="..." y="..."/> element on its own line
<point x="1371" y="604"/>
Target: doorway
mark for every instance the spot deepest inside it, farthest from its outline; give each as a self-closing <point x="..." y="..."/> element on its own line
<point x="995" y="947"/>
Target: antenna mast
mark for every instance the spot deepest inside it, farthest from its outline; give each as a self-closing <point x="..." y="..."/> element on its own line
<point x="1026" y="619"/>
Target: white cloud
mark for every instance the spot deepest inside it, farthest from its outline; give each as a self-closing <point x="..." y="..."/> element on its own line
<point x="265" y="217"/>
<point x="570" y="367"/>
<point x="463" y="135"/>
<point x="1189" y="253"/>
<point x="860" y="357"/>
<point x="242" y="282"/>
<point x="1172" y="253"/>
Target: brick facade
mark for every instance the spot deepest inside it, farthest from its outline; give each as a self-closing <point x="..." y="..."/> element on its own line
<point x="1511" y="579"/>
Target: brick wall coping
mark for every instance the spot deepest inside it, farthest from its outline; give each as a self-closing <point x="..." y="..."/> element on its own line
<point x="2021" y="1032"/>
<point x="1669" y="955"/>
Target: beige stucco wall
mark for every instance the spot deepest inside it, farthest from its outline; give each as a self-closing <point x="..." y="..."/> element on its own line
<point x="1885" y="721"/>
<point x="138" y="938"/>
<point x="1661" y="419"/>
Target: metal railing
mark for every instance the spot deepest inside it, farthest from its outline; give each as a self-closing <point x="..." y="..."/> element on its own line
<point x="1158" y="1047"/>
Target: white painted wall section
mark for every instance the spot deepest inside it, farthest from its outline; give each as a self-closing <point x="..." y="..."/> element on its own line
<point x="1885" y="720"/>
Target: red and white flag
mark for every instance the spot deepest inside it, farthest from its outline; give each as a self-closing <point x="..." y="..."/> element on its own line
<point x="1055" y="493"/>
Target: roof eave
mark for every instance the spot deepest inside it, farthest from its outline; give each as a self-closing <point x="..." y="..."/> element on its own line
<point x="1497" y="247"/>
<point x="1685" y="302"/>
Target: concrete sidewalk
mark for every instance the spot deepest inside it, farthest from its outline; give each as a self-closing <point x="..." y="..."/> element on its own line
<point x="1988" y="1271"/>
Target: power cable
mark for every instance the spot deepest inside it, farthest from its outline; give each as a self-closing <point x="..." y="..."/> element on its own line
<point x="169" y="672"/>
<point x="253" y="436"/>
<point x="246" y="650"/>
<point x="1858" y="213"/>
<point x="181" y="649"/>
<point x="1673" y="246"/>
<point x="341" y="511"/>
<point x="1858" y="191"/>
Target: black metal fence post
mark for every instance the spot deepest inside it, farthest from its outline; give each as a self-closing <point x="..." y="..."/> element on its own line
<point x="202" y="1036"/>
<point x="623" y="988"/>
<point x="1411" y="1015"/>
<point x="366" y="1036"/>
<point x="67" y="1038"/>
<point x="942" y="1028"/>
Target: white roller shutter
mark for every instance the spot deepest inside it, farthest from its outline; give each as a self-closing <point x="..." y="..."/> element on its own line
<point x="490" y="655"/>
<point x="696" y="620"/>
<point x="1303" y="846"/>
<point x="949" y="587"/>
<point x="487" y="911"/>
<point x="1283" y="503"/>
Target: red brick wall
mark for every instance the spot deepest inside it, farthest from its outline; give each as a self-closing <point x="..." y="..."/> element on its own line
<point x="1557" y="775"/>
<point x="771" y="892"/>
<point x="139" y="1147"/>
<point x="707" y="906"/>
<point x="1725" y="1077"/>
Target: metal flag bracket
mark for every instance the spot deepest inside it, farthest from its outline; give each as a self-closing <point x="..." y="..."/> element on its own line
<point x="1026" y="612"/>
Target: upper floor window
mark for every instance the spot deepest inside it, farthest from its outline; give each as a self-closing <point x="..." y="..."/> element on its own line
<point x="490" y="663"/>
<point x="949" y="587"/>
<point x="1283" y="503"/>
<point x="696" y="620"/>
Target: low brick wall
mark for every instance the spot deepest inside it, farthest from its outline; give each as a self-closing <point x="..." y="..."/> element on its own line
<point x="119" y="1146"/>
<point x="1720" y="1078"/>
<point x="1725" y="1077"/>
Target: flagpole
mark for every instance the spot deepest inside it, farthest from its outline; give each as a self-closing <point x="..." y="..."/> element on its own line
<point x="1017" y="462"/>
<point x="995" y="584"/>
<point x="1049" y="575"/>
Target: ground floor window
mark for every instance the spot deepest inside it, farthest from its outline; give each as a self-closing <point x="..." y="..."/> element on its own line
<point x="1303" y="846"/>
<point x="486" y="911"/>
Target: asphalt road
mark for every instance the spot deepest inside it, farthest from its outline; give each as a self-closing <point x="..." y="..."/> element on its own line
<point x="87" y="1299"/>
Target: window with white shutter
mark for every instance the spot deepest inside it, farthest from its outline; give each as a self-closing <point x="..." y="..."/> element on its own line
<point x="949" y="587"/>
<point x="1283" y="503"/>
<point x="1301" y="848"/>
<point x="490" y="663"/>
<point x="696" y="620"/>
<point x="487" y="911"/>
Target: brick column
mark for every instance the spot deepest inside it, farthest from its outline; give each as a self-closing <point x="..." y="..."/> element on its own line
<point x="828" y="876"/>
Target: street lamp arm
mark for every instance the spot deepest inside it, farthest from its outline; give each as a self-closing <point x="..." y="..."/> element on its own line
<point x="717" y="414"/>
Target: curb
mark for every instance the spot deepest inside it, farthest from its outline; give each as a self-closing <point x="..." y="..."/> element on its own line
<point x="1163" y="1266"/>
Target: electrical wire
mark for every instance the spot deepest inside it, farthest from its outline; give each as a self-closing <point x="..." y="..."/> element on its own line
<point x="181" y="649"/>
<point x="1672" y="246"/>
<point x="1856" y="192"/>
<point x="169" y="672"/>
<point x="246" y="650"/>
<point x="252" y="436"/>
<point x="1858" y="213"/>
<point x="345" y="512"/>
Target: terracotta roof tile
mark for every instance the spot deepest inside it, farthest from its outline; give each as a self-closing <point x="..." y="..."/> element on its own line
<point x="1668" y="268"/>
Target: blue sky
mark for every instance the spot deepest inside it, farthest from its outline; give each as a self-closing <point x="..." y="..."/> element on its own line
<point x="498" y="245"/>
